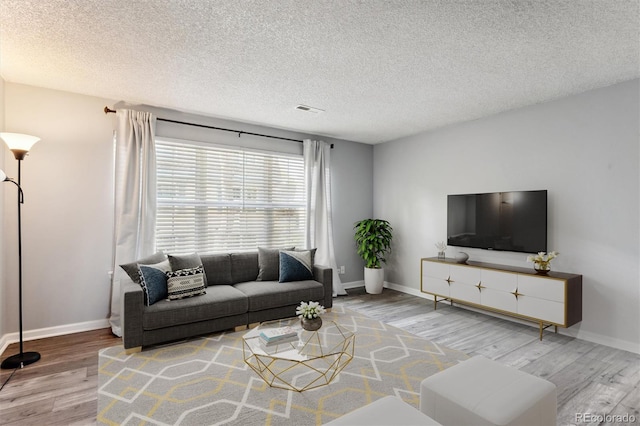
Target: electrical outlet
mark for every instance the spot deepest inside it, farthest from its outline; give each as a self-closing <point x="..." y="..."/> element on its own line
<point x="342" y="270"/>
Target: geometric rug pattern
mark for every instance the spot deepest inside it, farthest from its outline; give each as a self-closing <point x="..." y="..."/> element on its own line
<point x="205" y="381"/>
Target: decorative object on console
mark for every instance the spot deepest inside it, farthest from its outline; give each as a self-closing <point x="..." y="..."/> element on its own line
<point x="462" y="257"/>
<point x="442" y="246"/>
<point x="20" y="145"/>
<point x="542" y="261"/>
<point x="373" y="238"/>
<point x="309" y="314"/>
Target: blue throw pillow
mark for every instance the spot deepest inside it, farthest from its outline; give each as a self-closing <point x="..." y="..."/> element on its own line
<point x="295" y="265"/>
<point x="154" y="284"/>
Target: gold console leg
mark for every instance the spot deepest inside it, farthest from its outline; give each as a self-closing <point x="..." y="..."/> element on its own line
<point x="543" y="327"/>
<point x="541" y="330"/>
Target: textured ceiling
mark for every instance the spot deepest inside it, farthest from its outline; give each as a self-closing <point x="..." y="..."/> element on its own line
<point x="380" y="69"/>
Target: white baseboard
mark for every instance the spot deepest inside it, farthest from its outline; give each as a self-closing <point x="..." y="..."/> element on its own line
<point x="60" y="330"/>
<point x="353" y="284"/>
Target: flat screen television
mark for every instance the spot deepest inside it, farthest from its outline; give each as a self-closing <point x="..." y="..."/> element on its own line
<point x="509" y="221"/>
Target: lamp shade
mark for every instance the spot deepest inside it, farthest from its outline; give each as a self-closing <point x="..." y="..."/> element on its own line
<point x="19" y="141"/>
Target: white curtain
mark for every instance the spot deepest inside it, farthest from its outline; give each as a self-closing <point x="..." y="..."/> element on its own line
<point x="135" y="198"/>
<point x="319" y="230"/>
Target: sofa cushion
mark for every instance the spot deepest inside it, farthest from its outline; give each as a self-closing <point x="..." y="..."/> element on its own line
<point x="132" y="268"/>
<point x="217" y="268"/>
<point x="219" y="301"/>
<point x="272" y="294"/>
<point x="244" y="267"/>
<point x="295" y="265"/>
<point x="184" y="283"/>
<point x="184" y="261"/>
<point x="268" y="263"/>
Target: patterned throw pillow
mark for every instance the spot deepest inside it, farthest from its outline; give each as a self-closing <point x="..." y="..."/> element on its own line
<point x="153" y="281"/>
<point x="295" y="265"/>
<point x="185" y="283"/>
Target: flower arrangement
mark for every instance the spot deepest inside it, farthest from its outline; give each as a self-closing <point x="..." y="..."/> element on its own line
<point x="441" y="246"/>
<point x="310" y="310"/>
<point x="542" y="260"/>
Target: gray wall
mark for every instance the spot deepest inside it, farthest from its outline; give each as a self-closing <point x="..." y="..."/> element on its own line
<point x="68" y="211"/>
<point x="583" y="149"/>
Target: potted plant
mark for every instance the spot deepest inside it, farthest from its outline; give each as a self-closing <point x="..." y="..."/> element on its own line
<point x="373" y="238"/>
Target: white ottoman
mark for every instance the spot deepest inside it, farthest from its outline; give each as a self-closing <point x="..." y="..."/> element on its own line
<point x="384" y="412"/>
<point x="480" y="391"/>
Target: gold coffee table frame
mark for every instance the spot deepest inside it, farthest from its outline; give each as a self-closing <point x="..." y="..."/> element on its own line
<point x="313" y="360"/>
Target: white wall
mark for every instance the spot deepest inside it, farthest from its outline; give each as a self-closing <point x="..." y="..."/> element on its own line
<point x="68" y="210"/>
<point x="583" y="149"/>
<point x="2" y="225"/>
<point x="67" y="216"/>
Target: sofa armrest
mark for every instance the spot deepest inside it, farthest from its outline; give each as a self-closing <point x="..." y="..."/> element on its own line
<point x="324" y="275"/>
<point x="133" y="307"/>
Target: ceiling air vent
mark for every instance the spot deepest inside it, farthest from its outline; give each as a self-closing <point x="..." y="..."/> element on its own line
<point x="307" y="108"/>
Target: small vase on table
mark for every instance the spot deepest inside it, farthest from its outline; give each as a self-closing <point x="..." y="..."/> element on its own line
<point x="309" y="314"/>
<point x="311" y="324"/>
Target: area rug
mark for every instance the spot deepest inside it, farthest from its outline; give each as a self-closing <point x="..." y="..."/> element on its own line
<point x="204" y="381"/>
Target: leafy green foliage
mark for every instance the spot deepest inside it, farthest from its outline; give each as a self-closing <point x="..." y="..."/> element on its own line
<point x="373" y="239"/>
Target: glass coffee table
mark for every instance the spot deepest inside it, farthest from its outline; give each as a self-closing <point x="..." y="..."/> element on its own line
<point x="313" y="359"/>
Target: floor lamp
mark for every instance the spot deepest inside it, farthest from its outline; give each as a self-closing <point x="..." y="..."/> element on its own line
<point x="20" y="145"/>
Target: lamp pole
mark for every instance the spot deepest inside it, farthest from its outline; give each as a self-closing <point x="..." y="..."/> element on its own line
<point x="23" y="358"/>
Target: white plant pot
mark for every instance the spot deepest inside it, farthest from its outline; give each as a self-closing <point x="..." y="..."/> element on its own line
<point x="373" y="280"/>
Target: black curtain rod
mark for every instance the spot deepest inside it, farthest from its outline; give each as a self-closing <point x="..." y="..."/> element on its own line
<point x="107" y="110"/>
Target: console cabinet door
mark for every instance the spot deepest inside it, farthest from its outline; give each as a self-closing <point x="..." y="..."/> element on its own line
<point x="498" y="290"/>
<point x="463" y="283"/>
<point x="497" y="280"/>
<point x="546" y="310"/>
<point x="435" y="278"/>
<point x="542" y="287"/>
<point x="542" y="298"/>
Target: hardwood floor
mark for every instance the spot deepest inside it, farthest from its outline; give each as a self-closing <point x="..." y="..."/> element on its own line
<point x="61" y="388"/>
<point x="591" y="378"/>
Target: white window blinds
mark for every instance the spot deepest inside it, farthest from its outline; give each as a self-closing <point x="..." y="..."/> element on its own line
<point x="223" y="199"/>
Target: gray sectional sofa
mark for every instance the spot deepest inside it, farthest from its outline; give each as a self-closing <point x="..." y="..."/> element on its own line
<point x="235" y="298"/>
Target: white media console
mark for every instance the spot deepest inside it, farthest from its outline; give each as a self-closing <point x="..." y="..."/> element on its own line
<point x="553" y="299"/>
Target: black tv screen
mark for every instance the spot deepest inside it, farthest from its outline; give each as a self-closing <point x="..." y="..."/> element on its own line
<point x="509" y="221"/>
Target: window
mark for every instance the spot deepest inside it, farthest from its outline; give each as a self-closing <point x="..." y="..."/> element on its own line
<point x="224" y="199"/>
